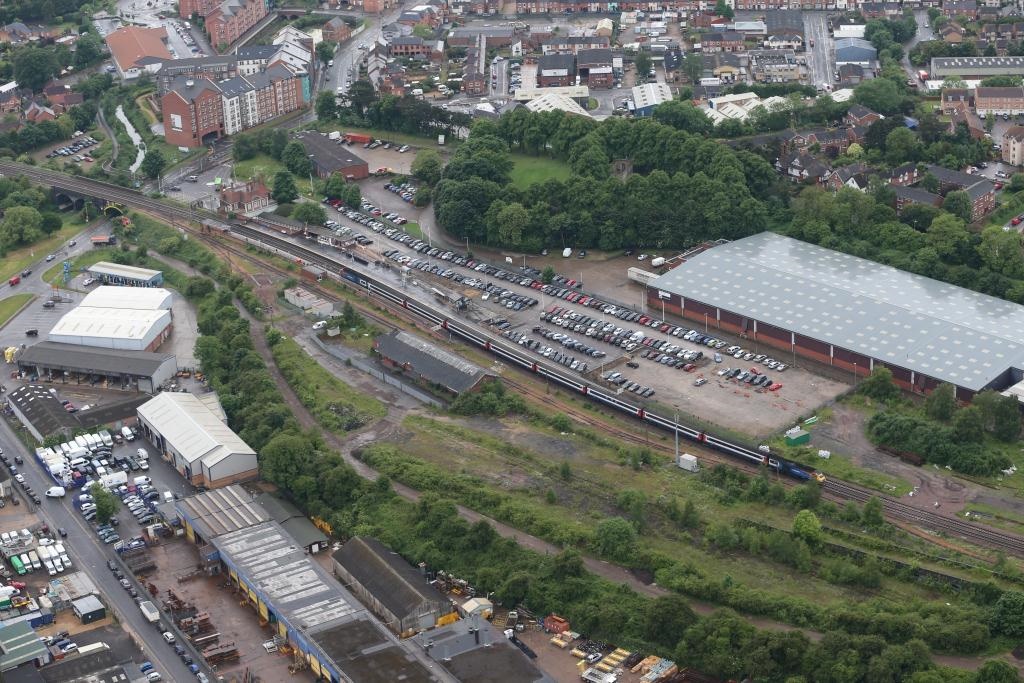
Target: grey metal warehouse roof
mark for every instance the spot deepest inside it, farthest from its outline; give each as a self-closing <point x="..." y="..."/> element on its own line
<point x="223" y="510"/>
<point x="93" y="359"/>
<point x="943" y="331"/>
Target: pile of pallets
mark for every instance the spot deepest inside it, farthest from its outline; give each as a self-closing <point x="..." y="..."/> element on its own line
<point x="221" y="654"/>
<point x="196" y="625"/>
<point x="138" y="560"/>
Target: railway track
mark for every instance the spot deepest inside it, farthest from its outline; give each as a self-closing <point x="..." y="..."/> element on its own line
<point x="893" y="508"/>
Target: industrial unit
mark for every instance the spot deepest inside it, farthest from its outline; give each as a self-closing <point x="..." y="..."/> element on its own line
<point x="396" y="592"/>
<point x="40" y="411"/>
<point x="113" y="328"/>
<point x="198" y="442"/>
<point x="848" y="312"/>
<point x="420" y="359"/>
<point x="141" y="371"/>
<point x="132" y="276"/>
<point x="137" y="298"/>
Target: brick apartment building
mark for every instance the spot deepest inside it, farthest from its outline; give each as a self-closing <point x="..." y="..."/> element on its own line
<point x="1003" y="100"/>
<point x="196" y="111"/>
<point x="193" y="8"/>
<point x="412" y="47"/>
<point x="215" y="68"/>
<point x="728" y="41"/>
<point x="981" y="191"/>
<point x="1013" y="146"/>
<point x="571" y="45"/>
<point x="556" y="71"/>
<point x="231" y="19"/>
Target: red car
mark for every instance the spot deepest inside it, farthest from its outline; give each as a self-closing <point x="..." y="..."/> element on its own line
<point x="689" y="367"/>
<point x="1017" y="220"/>
<point x="775" y="387"/>
<point x="755" y="371"/>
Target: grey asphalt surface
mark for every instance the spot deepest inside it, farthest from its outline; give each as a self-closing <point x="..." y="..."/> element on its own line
<point x="821" y="57"/>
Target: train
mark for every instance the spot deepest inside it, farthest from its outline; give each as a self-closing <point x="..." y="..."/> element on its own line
<point x="761" y="456"/>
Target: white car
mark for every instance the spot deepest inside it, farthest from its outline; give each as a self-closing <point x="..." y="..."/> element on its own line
<point x="320" y="324"/>
<point x="88" y="281"/>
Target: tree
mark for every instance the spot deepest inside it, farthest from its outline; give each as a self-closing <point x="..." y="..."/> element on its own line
<point x="1008" y="615"/>
<point x="427" y="166"/>
<point x="295" y="158"/>
<point x="310" y="213"/>
<point x="959" y="204"/>
<point x="693" y="66"/>
<point x="21" y="225"/>
<point x="643" y="64"/>
<point x="996" y="671"/>
<point x="326" y="106"/>
<point x="871" y="516"/>
<point x="901" y="146"/>
<point x="723" y="10"/>
<point x="284" y="188"/>
<point x="1016" y="182"/>
<point x="360" y="96"/>
<point x="879" y="385"/>
<point x="930" y="182"/>
<point x="547" y="275"/>
<point x="153" y="164"/>
<point x="325" y="50"/>
<point x="968" y="426"/>
<point x="510" y="223"/>
<point x="51" y="223"/>
<point x="807" y="527"/>
<point x="941" y="403"/>
<point x="855" y="151"/>
<point x="666" y="619"/>
<point x="615" y="538"/>
<point x="879" y="94"/>
<point x="88" y="49"/>
<point x="682" y="116"/>
<point x="1000" y="414"/>
<point x="34" y="67"/>
<point x="105" y="501"/>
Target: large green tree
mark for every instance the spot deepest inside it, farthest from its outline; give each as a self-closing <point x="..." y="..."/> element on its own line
<point x="427" y="166"/>
<point x="153" y="163"/>
<point x="34" y="67"/>
<point x="879" y="94"/>
<point x="284" y="188"/>
<point x="941" y="403"/>
<point x="295" y="158"/>
<point x="106" y="503"/>
<point x="326" y="106"/>
<point x="959" y="204"/>
<point x="310" y="213"/>
<point x="879" y="385"/>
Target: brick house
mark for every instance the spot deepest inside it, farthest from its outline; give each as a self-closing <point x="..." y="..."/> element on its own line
<point x="955" y="98"/>
<point x="412" y="47"/>
<point x="908" y="196"/>
<point x="1001" y="100"/>
<point x="859" y="115"/>
<point x="556" y="70"/>
<point x="729" y="41"/>
<point x="249" y="197"/>
<point x="336" y="30"/>
<point x="902" y="176"/>
<point x="571" y="45"/>
<point x="952" y="34"/>
<point x="803" y="168"/>
<point x="37" y="113"/>
<point x="854" y="176"/>
<point x="955" y="8"/>
<point x="595" y="67"/>
<point x="981" y="191"/>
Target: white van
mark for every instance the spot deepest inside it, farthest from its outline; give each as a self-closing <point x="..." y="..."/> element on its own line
<point x="142" y="453"/>
<point x="90" y="441"/>
<point x="34" y="559"/>
<point x="55" y="492"/>
<point x="139" y="481"/>
<point x="66" y="448"/>
<point x="82" y="443"/>
<point x="27" y="563"/>
<point x="106" y="438"/>
<point x="128" y="434"/>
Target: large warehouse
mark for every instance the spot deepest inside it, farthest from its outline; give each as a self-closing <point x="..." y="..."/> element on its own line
<point x="848" y="312"/>
<point x="201" y="446"/>
<point x="130" y="276"/>
<point x="113" y="328"/>
<point x="976" y="67"/>
<point x="138" y="298"/>
<point x="73" y="364"/>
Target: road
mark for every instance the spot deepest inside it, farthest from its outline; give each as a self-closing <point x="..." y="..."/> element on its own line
<point x="924" y="33"/>
<point x="499" y="79"/>
<point x="821" y="57"/>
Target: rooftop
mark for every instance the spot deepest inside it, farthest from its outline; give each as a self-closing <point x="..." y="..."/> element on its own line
<point x="943" y="331"/>
<point x="399" y="586"/>
<point x="42" y="409"/>
<point x="487" y="658"/>
<point x="114" y="323"/>
<point x="977" y="62"/>
<point x="139" y="298"/>
<point x="292" y="520"/>
<point x="132" y="46"/>
<point x="97" y="359"/>
<point x="194" y="430"/>
<point x="546" y="62"/>
<point x="19" y="644"/>
<point x="429" y="361"/>
<point x="327" y="155"/>
<point x="220" y="511"/>
<point x="557" y="102"/>
<point x="121" y="270"/>
<point x="651" y="94"/>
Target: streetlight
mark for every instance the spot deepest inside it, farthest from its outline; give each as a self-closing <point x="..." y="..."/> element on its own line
<point x="854" y="373"/>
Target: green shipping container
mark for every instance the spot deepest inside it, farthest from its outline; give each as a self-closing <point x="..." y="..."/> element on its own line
<point x="798" y="438"/>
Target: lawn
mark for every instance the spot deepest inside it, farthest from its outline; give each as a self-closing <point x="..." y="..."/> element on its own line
<point x="529" y="170"/>
<point x="21" y="258"/>
<point x="418" y="141"/>
<point x="53" y="273"/>
<point x="413" y="229"/>
<point x="11" y="305"/>
<point x="268" y="167"/>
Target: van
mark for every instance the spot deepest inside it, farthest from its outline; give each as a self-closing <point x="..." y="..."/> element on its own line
<point x="126" y="432"/>
<point x="106" y="438"/>
<point x="25" y="561"/>
<point x="55" y="492"/>
<point x="193" y="179"/>
<point x="330" y="63"/>
<point x="91" y="441"/>
<point x="82" y="443"/>
<point x="34" y="559"/>
<point x="139" y="481"/>
<point x="142" y="454"/>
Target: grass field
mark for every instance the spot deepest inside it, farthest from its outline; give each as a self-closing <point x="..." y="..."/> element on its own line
<point x="21" y="258"/>
<point x="413" y="229"/>
<point x="268" y="167"/>
<point x="11" y="305"/>
<point x="53" y="273"/>
<point x="418" y="141"/>
<point x="529" y="170"/>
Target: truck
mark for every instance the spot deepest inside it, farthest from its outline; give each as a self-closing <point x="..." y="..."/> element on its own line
<point x="567" y="252"/>
<point x="688" y="462"/>
<point x="334" y="135"/>
<point x="112" y="480"/>
<point x="149" y="611"/>
<point x="657" y="261"/>
<point x="922" y="76"/>
<point x="353" y="138"/>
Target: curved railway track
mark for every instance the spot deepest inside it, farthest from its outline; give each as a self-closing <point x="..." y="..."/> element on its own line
<point x="346" y="270"/>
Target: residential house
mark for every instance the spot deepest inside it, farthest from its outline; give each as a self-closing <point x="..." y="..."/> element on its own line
<point x="249" y="198"/>
<point x="420" y="15"/>
<point x="230" y="20"/>
<point x="999" y="100"/>
<point x="729" y="67"/>
<point x="17" y="32"/>
<point x="336" y="30"/>
<point x="854" y="176"/>
<point x="474" y="73"/>
<point x="955" y="98"/>
<point x="956" y="8"/>
<point x="859" y="115"/>
<point x="908" y="196"/>
<point x="10" y="98"/>
<point x="37" y="113"/>
<point x="412" y="47"/>
<point x="962" y="116"/>
<point x="850" y="75"/>
<point x="1013" y="146"/>
<point x="832" y="142"/>
<point x="952" y="34"/>
<point x="555" y="70"/>
<point x="801" y="167"/>
<point x="571" y="45"/>
<point x="254" y="58"/>
<point x="784" y="41"/>
<point x="981" y="191"/>
<point x="595" y="68"/>
<point x="729" y="41"/>
<point x="903" y="176"/>
<point x="137" y="50"/>
<point x="605" y="28"/>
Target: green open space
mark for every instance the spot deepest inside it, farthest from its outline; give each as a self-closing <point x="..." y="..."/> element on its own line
<point x="82" y="261"/>
<point x="419" y="141"/>
<point x="12" y="304"/>
<point x="268" y="167"/>
<point x="528" y="170"/>
<point x="413" y="229"/>
<point x="21" y="258"/>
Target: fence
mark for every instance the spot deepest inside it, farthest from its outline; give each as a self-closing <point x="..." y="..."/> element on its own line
<point x="361" y="364"/>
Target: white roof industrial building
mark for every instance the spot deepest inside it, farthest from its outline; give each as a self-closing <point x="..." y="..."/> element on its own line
<point x="201" y="446"/>
<point x="137" y="298"/>
<point x="120" y="274"/>
<point x="113" y="328"/>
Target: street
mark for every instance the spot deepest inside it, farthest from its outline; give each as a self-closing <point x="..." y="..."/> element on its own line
<point x="821" y="57"/>
<point x="924" y="33"/>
